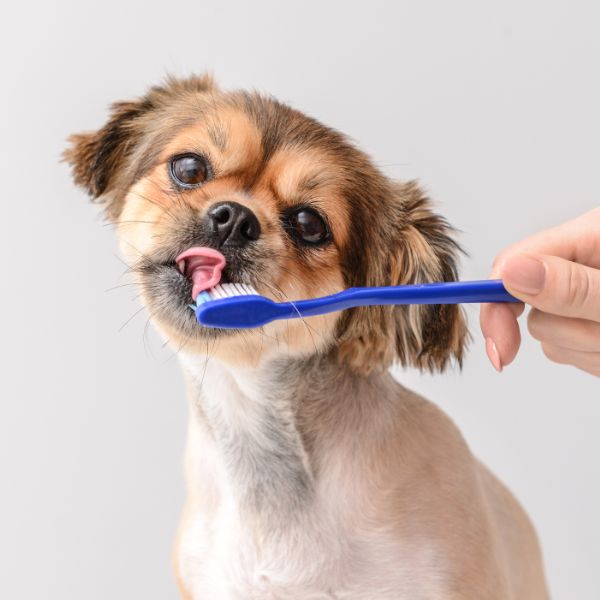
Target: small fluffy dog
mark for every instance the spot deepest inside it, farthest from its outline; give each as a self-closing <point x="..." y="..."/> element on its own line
<point x="311" y="472"/>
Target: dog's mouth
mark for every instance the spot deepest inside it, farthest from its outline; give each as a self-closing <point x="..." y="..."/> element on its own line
<point x="172" y="282"/>
<point x="203" y="266"/>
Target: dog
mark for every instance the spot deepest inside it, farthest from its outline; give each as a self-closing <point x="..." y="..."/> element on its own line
<point x="311" y="472"/>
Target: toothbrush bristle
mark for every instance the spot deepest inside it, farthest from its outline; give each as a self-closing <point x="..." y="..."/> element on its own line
<point x="225" y="290"/>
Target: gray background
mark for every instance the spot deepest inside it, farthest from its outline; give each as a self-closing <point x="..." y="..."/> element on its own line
<point x="494" y="108"/>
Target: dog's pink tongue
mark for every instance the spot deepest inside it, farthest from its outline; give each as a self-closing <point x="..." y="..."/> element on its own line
<point x="203" y="266"/>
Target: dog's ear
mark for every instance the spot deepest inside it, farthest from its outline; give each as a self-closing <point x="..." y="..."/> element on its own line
<point x="99" y="159"/>
<point x="409" y="244"/>
<point x="96" y="157"/>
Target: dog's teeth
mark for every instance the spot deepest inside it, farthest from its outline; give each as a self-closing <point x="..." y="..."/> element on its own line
<point x="181" y="266"/>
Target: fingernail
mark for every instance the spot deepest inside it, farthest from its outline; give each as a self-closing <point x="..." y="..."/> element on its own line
<point x="492" y="352"/>
<point x="524" y="274"/>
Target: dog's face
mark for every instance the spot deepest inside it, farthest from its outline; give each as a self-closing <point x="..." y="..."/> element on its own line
<point x="208" y="186"/>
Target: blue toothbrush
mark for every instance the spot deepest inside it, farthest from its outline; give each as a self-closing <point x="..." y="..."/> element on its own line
<point x="240" y="306"/>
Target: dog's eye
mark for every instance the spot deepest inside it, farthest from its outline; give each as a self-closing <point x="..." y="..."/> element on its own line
<point x="189" y="170"/>
<point x="308" y="227"/>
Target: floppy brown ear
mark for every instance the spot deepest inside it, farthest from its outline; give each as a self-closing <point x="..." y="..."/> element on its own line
<point x="97" y="157"/>
<point x="410" y="244"/>
<point x="100" y="159"/>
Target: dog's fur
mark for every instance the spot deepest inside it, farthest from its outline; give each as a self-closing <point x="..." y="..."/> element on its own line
<point x="311" y="472"/>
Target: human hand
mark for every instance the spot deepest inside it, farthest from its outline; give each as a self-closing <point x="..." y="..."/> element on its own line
<point x="557" y="272"/>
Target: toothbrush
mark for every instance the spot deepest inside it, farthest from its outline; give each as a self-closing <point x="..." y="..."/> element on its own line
<point x="240" y="306"/>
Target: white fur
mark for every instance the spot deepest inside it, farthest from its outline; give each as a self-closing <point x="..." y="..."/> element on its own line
<point x="327" y="547"/>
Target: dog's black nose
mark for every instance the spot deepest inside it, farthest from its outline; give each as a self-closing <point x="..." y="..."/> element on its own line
<point x="234" y="224"/>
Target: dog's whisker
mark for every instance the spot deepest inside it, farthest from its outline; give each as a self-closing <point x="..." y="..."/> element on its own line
<point x="119" y="223"/>
<point x="145" y="342"/>
<point x="289" y="272"/>
<point x="137" y="312"/>
<point x="209" y="354"/>
<point x="122" y="285"/>
<point x="284" y="296"/>
<point x="128" y="269"/>
<point x="144" y="260"/>
<point x="164" y="209"/>
<point x="307" y="325"/>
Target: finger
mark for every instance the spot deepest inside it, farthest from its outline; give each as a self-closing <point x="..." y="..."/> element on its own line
<point x="573" y="334"/>
<point x="554" y="285"/>
<point x="586" y="361"/>
<point x="577" y="240"/>
<point x="500" y="328"/>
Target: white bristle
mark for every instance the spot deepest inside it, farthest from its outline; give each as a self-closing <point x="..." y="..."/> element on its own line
<point x="227" y="290"/>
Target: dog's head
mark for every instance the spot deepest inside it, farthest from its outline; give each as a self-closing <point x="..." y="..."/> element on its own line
<point x="267" y="196"/>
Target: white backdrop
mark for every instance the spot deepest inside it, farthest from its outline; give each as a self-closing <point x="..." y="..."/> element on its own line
<point x="494" y="108"/>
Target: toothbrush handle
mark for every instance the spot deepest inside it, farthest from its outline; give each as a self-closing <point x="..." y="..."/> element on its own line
<point x="453" y="292"/>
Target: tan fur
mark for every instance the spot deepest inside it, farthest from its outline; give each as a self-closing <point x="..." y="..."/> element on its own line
<point x="311" y="473"/>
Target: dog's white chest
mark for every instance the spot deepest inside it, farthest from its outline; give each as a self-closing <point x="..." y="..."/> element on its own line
<point x="222" y="560"/>
<point x="219" y="561"/>
<point x="263" y="526"/>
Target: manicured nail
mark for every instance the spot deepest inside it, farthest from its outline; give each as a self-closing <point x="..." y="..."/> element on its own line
<point x="524" y="274"/>
<point x="492" y="352"/>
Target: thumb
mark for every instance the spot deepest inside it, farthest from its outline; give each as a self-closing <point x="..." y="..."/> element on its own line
<point x="553" y="285"/>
